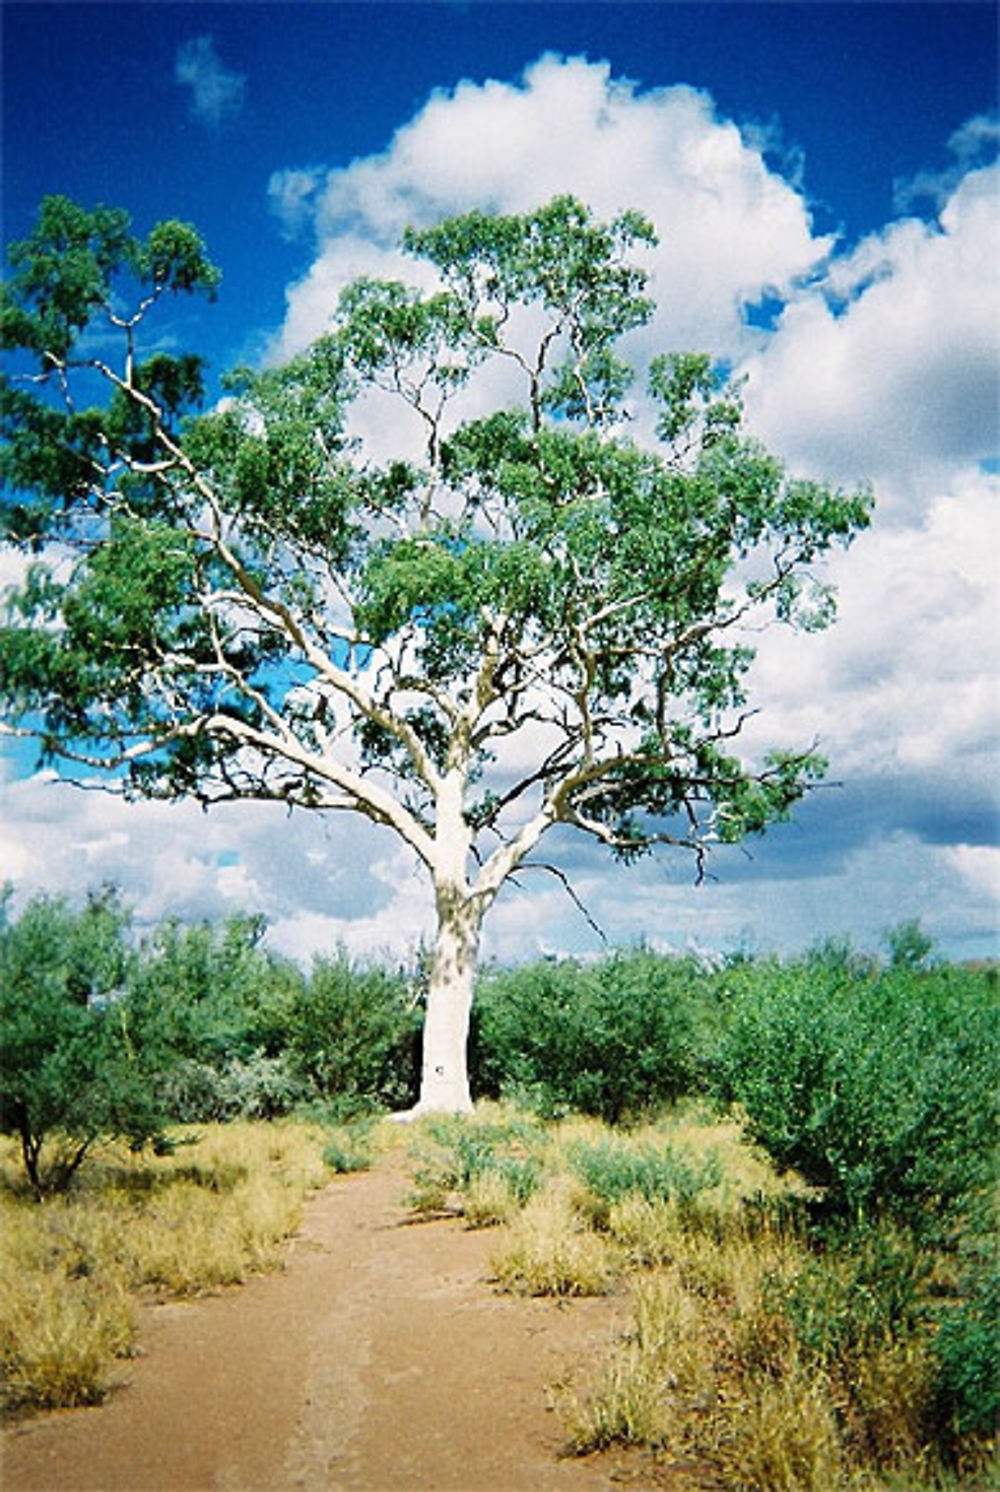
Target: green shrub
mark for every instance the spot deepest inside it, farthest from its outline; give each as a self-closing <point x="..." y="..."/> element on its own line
<point x="462" y="1152"/>
<point x="865" y="1292"/>
<point x="613" y="1169"/>
<point x="879" y="1087"/>
<point x="71" y="1068"/>
<point x="349" y="1149"/>
<point x="967" y="1348"/>
<point x="354" y="1035"/>
<point x="616" y="1039"/>
<point x="212" y="994"/>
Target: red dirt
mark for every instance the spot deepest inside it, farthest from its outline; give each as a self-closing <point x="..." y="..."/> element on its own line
<point x="379" y="1360"/>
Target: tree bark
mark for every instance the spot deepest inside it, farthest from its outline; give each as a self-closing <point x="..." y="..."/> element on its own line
<point x="444" y="1083"/>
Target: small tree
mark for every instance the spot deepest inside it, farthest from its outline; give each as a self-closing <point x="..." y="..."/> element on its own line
<point x="252" y="604"/>
<point x="909" y="946"/>
<point x="69" y="1071"/>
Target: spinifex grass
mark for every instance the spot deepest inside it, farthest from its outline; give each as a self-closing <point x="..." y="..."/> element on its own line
<point x="548" y="1249"/>
<point x="776" y="1359"/>
<point x="209" y="1215"/>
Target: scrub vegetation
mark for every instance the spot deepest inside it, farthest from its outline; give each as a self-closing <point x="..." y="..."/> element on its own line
<point x="786" y="1169"/>
<point x="73" y="1271"/>
<point x="772" y="1341"/>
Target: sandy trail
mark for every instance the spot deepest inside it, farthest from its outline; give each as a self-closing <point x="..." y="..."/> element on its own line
<point x="379" y="1360"/>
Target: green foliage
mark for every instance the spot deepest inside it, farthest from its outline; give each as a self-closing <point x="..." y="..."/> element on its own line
<point x="614" y="1039"/>
<point x="909" y="946"/>
<point x="613" y="1169"/>
<point x="71" y="1070"/>
<point x="349" y="1149"/>
<point x="864" y="1292"/>
<point x="253" y="1087"/>
<point x="212" y="994"/>
<point x="879" y="1087"/>
<point x="459" y="1152"/>
<point x="353" y="1032"/>
<point x="967" y="1348"/>
<point x="536" y="543"/>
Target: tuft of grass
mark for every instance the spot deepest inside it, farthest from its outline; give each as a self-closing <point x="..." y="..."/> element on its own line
<point x="350" y="1148"/>
<point x="650" y="1232"/>
<point x="206" y="1216"/>
<point x="491" y="1199"/>
<point x="60" y="1335"/>
<point x="483" y="1167"/>
<point x="549" y="1250"/>
<point x="662" y="1372"/>
<point x="786" y="1437"/>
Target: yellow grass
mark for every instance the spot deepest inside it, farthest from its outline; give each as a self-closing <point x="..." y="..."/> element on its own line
<point x="709" y="1369"/>
<point x="70" y="1267"/>
<point x="548" y="1250"/>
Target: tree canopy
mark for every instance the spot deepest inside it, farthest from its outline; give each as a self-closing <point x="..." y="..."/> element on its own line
<point x="462" y="566"/>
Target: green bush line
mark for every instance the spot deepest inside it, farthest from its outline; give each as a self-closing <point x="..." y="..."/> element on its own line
<point x="876" y="1084"/>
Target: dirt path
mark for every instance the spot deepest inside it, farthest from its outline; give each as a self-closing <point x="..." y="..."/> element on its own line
<point x="379" y="1361"/>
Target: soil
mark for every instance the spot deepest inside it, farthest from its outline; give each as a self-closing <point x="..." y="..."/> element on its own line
<point x="379" y="1359"/>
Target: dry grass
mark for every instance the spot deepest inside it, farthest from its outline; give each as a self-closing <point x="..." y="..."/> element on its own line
<point x="711" y="1370"/>
<point x="71" y="1267"/>
<point x="677" y="1382"/>
<point x="490" y="1200"/>
<point x="549" y="1250"/>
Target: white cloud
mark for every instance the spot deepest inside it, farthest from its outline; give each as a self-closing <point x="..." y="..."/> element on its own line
<point x="397" y="928"/>
<point x="292" y="198"/>
<point x="173" y="859"/>
<point x="217" y="94"/>
<point x="979" y="867"/>
<point x="906" y="679"/>
<point x="888" y="368"/>
<point x="729" y="227"/>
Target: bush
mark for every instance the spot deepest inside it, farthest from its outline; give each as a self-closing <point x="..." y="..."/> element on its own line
<point x="72" y="1068"/>
<point x="212" y="995"/>
<point x="354" y="1035"/>
<point x="851" y="1300"/>
<point x="467" y="1156"/>
<point x="616" y="1039"/>
<point x="967" y="1348"/>
<point x="614" y="1169"/>
<point x="879" y="1087"/>
<point x="349" y="1149"/>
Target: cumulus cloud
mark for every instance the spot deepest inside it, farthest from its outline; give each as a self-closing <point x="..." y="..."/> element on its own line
<point x="730" y="228"/>
<point x="173" y="859"/>
<point x="217" y="94"/>
<point x="906" y="680"/>
<point x="888" y="369"/>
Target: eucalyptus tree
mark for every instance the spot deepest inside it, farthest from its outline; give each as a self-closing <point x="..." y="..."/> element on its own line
<point x="453" y="568"/>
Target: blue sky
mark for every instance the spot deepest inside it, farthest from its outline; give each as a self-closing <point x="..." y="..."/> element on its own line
<point x="826" y="164"/>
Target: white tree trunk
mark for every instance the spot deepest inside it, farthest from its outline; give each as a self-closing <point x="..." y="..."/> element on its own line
<point x="444" y="1084"/>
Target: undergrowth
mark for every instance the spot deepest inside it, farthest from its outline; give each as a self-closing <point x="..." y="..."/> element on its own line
<point x="73" y="1268"/>
<point x="780" y="1355"/>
